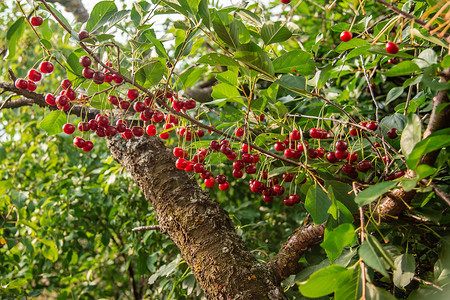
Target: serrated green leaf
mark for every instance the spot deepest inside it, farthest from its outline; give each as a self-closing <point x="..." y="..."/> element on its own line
<point x="411" y="135"/>
<point x="404" y="68"/>
<point x="373" y="192"/>
<point x="53" y="122"/>
<point x="317" y="204"/>
<point x="325" y="281"/>
<point x="275" y="32"/>
<point x="100" y="14"/>
<point x="353" y="43"/>
<point x="335" y="241"/>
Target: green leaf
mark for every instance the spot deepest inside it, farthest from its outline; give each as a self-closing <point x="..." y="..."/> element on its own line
<point x="275" y="32"/>
<point x="53" y="122"/>
<point x="249" y="17"/>
<point x="335" y="241"/>
<point x="13" y="34"/>
<point x="258" y="61"/>
<point x="411" y="134"/>
<point x="394" y="121"/>
<point x="15" y="284"/>
<point x="393" y="94"/>
<point x="349" y="289"/>
<point x="150" y="74"/>
<point x="373" y="192"/>
<point x="446" y="62"/>
<point x="280" y="170"/>
<point x="435" y="141"/>
<point x="100" y="14"/>
<point x="368" y="253"/>
<point x="426" y="58"/>
<point x="224" y="91"/>
<point x="230" y="77"/>
<point x="227" y="33"/>
<point x="405" y="265"/>
<point x="403" y="68"/>
<point x="50" y="251"/>
<point x="353" y="43"/>
<point x="429" y="38"/>
<point x="325" y="281"/>
<point x="191" y="77"/>
<point x="317" y="204"/>
<point x="215" y="59"/>
<point x="358" y="51"/>
<point x="151" y="36"/>
<point x="298" y="60"/>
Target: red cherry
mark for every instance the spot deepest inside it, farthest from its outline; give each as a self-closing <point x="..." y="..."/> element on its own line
<point x="206" y="174"/>
<point x="315" y="133"/>
<point x="269" y="199"/>
<point x="331" y="157"/>
<point x="341" y="154"/>
<point x="88" y="73"/>
<point x="36" y="21"/>
<point x="46" y="67"/>
<point x="247" y="158"/>
<point x="392" y="61"/>
<point x="353" y="131"/>
<point x="238" y="165"/>
<point x="341" y="145"/>
<point x="295" y="135"/>
<point x="50" y="99"/>
<point x="172" y="119"/>
<point x="181" y="163"/>
<point x="189" y="166"/>
<point x="83" y="35"/>
<point x="272" y="181"/>
<point x="102" y="120"/>
<point x="139" y="106"/>
<point x="110" y="131"/>
<point x="250" y="169"/>
<point x="124" y="104"/>
<point x="98" y="77"/>
<point x="239" y="132"/>
<point x="279" y="146"/>
<point x="66" y="83"/>
<point x="224" y="186"/>
<point x="256" y="158"/>
<point x="68" y="128"/>
<point x="85" y="61"/>
<point x="62" y="100"/>
<point x="79" y="142"/>
<point x="364" y="166"/>
<point x="31" y="86"/>
<point x="158" y="116"/>
<point x="348" y="168"/>
<point x="200" y="133"/>
<point x="178" y="152"/>
<point x="238" y="173"/>
<point x="278" y="190"/>
<point x="285" y="1"/>
<point x="138" y="131"/>
<point x="221" y="179"/>
<point x="321" y="152"/>
<point x="300" y="146"/>
<point x="127" y="134"/>
<point x="70" y="94"/>
<point x="352" y="157"/>
<point x="100" y="132"/>
<point x="346" y="36"/>
<point x="295" y="198"/>
<point x="151" y="130"/>
<point x="399" y="173"/>
<point x="391" y="48"/>
<point x="83" y="126"/>
<point x="392" y="133"/>
<point x="288" y="177"/>
<point x="199" y="168"/>
<point x="232" y="156"/>
<point x="93" y="125"/>
<point x="372" y="125"/>
<point x="88" y="145"/>
<point x="117" y="79"/>
<point x="190" y="104"/>
<point x="132" y="94"/>
<point x="312" y="153"/>
<point x="246" y="148"/>
<point x="34" y="75"/>
<point x="108" y="78"/>
<point x="214" y="145"/>
<point x="21" y="84"/>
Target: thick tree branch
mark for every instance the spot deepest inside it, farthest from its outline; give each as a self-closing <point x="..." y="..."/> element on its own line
<point x="76" y="7"/>
<point x="199" y="227"/>
<point x="285" y="263"/>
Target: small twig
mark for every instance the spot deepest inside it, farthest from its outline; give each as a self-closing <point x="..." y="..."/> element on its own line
<point x="363" y="236"/>
<point x="428" y="283"/>
<point x="143" y="228"/>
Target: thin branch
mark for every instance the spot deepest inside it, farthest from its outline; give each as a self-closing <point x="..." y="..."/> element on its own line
<point x="144" y="228"/>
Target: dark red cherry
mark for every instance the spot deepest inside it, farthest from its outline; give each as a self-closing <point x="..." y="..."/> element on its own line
<point x="341" y="145"/>
<point x="68" y="128"/>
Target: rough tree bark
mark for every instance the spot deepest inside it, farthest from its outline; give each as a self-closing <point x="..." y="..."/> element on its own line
<point x="201" y="229"/>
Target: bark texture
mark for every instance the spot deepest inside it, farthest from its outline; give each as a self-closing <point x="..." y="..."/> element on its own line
<point x="200" y="228"/>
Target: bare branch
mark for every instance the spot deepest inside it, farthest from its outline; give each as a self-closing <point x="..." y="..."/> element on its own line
<point x="144" y="228"/>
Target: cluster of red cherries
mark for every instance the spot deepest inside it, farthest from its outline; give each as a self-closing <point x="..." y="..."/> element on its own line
<point x="391" y="47"/>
